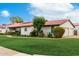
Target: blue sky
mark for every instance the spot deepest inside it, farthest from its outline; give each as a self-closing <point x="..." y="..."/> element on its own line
<point x="19" y="9"/>
<point x="76" y="5"/>
<point x="27" y="10"/>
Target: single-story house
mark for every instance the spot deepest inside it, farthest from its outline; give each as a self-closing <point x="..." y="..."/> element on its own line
<point x="26" y="27"/>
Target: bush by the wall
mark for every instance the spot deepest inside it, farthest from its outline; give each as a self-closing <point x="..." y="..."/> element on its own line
<point x="40" y="33"/>
<point x="33" y="33"/>
<point x="58" y="32"/>
<point x="50" y="35"/>
<point x="13" y="33"/>
<point x="2" y="33"/>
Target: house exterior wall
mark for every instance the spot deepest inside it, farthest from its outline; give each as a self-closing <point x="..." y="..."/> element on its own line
<point x="46" y="30"/>
<point x="2" y="30"/>
<point x="26" y="32"/>
<point x="69" y="29"/>
<point x="77" y="28"/>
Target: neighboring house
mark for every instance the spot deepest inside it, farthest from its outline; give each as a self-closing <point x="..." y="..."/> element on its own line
<point x="3" y="28"/>
<point x="27" y="27"/>
<point x="14" y="27"/>
<point x="24" y="28"/>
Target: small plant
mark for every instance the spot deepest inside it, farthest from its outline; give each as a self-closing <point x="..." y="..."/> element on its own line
<point x="41" y="34"/>
<point x="23" y="35"/>
<point x="33" y="33"/>
<point x="50" y="35"/>
<point x="2" y="33"/>
<point x="58" y="32"/>
<point x="13" y="33"/>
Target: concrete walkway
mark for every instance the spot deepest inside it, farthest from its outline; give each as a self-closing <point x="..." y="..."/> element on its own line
<point x="9" y="52"/>
<point x="72" y="37"/>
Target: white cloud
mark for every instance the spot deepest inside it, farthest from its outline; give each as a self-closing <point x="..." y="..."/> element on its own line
<point x="50" y="10"/>
<point x="5" y="13"/>
<point x="73" y="15"/>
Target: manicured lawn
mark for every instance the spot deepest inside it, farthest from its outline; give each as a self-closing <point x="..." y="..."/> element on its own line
<point x="41" y="46"/>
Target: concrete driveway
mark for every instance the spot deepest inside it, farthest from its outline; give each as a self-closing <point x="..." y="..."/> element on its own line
<point x="9" y="52"/>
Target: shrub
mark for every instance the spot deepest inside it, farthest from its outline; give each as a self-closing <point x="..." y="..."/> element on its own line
<point x="17" y="33"/>
<point x="50" y="35"/>
<point x="58" y="32"/>
<point x="7" y="33"/>
<point x="33" y="33"/>
<point x="23" y="35"/>
<point x="13" y="33"/>
<point x="2" y="33"/>
<point x="41" y="34"/>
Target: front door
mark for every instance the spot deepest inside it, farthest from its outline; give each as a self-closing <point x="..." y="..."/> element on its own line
<point x="75" y="32"/>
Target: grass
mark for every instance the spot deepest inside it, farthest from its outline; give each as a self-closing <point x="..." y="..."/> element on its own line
<point x="60" y="47"/>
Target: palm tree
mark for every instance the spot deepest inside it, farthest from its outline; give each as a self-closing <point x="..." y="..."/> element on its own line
<point x="16" y="19"/>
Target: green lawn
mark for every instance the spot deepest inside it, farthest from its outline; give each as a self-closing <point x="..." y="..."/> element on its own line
<point x="63" y="47"/>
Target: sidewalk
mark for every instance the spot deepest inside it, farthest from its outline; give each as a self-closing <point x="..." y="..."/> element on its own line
<point x="72" y="37"/>
<point x="9" y="52"/>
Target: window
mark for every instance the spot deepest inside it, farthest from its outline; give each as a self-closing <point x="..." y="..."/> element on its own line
<point x="25" y="29"/>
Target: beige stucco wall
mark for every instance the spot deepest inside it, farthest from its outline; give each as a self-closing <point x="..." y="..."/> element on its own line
<point x="46" y="30"/>
<point x="2" y="30"/>
<point x="69" y="29"/>
<point x="23" y="32"/>
<point x="77" y="28"/>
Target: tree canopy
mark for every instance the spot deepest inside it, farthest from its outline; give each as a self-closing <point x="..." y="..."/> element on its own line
<point x="16" y="19"/>
<point x="38" y="22"/>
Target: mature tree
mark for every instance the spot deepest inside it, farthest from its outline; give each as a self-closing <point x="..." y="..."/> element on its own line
<point x="16" y="19"/>
<point x="38" y="23"/>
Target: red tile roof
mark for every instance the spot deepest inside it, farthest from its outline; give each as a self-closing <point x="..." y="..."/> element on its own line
<point x="2" y="26"/>
<point x="20" y="24"/>
<point x="54" y="22"/>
